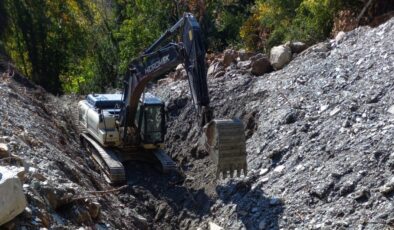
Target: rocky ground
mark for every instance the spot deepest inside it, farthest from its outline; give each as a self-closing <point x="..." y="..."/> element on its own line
<point x="58" y="178"/>
<point x="319" y="142"/>
<point x="320" y="130"/>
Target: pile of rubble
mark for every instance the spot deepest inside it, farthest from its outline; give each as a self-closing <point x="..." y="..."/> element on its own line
<point x="246" y="61"/>
<point x="319" y="131"/>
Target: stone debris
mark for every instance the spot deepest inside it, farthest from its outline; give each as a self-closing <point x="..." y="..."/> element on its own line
<point x="297" y="46"/>
<point x="340" y="36"/>
<point x="320" y="153"/>
<point x="280" y="56"/>
<point x="213" y="226"/>
<point x="12" y="199"/>
<point x="391" y="109"/>
<point x="388" y="187"/>
<point x="229" y="57"/>
<point x="245" y="55"/>
<point x="4" y="151"/>
<point x="260" y="64"/>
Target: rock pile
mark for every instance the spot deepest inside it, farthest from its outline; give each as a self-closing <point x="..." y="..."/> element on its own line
<point x="319" y="133"/>
<point x="255" y="63"/>
<point x="46" y="180"/>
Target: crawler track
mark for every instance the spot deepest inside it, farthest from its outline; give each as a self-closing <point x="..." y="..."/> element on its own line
<point x="106" y="159"/>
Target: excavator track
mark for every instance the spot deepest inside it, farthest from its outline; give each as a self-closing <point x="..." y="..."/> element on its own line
<point x="156" y="157"/>
<point x="107" y="160"/>
<point x="166" y="163"/>
<point x="226" y="145"/>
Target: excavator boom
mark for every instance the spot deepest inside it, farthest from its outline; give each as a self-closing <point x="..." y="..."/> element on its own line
<point x="136" y="122"/>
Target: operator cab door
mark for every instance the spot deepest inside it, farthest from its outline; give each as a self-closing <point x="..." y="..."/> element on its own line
<point x="151" y="123"/>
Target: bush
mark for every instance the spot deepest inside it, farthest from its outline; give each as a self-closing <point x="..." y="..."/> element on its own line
<point x="313" y="21"/>
<point x="276" y="21"/>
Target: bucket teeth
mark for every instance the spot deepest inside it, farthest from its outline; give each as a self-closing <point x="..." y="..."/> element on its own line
<point x="231" y="171"/>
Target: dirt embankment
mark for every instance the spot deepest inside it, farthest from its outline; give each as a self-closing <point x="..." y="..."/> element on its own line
<point x="319" y="146"/>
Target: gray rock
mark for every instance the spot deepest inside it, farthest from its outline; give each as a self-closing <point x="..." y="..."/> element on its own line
<point x="391" y="109"/>
<point x="340" y="36"/>
<point x="214" y="68"/>
<point x="321" y="47"/>
<point x="297" y="47"/>
<point x="161" y="212"/>
<point x="229" y="56"/>
<point x="260" y="64"/>
<point x="244" y="64"/>
<point x="180" y="73"/>
<point x="12" y="198"/>
<point x="280" y="56"/>
<point x="388" y="187"/>
<point x="347" y="188"/>
<point x="4" y="150"/>
<point x="213" y="226"/>
<point x="245" y="55"/>
<point x="361" y="194"/>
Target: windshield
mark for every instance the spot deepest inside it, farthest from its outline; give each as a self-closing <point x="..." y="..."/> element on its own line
<point x="154" y="129"/>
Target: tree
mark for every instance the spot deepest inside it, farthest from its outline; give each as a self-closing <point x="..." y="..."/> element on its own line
<point x="44" y="36"/>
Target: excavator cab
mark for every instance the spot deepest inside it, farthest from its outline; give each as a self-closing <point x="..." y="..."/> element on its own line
<point x="151" y="121"/>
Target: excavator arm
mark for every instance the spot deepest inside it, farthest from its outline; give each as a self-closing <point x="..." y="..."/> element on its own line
<point x="159" y="59"/>
<point x="224" y="139"/>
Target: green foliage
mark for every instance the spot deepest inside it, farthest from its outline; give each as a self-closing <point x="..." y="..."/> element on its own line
<point x="64" y="46"/>
<point x="313" y="21"/>
<point x="140" y="23"/>
<point x="276" y="21"/>
<point x="83" y="46"/>
<point x="222" y="22"/>
<point x="43" y="39"/>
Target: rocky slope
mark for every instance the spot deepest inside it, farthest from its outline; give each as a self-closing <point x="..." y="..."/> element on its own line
<point x="319" y="145"/>
<point x="58" y="179"/>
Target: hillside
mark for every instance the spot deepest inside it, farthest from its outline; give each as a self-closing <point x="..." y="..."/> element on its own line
<point x="320" y="152"/>
<point x="319" y="145"/>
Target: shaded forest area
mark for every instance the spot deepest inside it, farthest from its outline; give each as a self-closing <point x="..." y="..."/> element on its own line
<point x="83" y="45"/>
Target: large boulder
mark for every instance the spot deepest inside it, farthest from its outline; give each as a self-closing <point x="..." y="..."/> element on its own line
<point x="12" y="199"/>
<point x="260" y="64"/>
<point x="280" y="56"/>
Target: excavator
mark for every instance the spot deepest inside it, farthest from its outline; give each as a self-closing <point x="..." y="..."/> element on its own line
<point x="116" y="128"/>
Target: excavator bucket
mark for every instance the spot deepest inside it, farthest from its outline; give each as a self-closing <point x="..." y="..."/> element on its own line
<point x="225" y="142"/>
